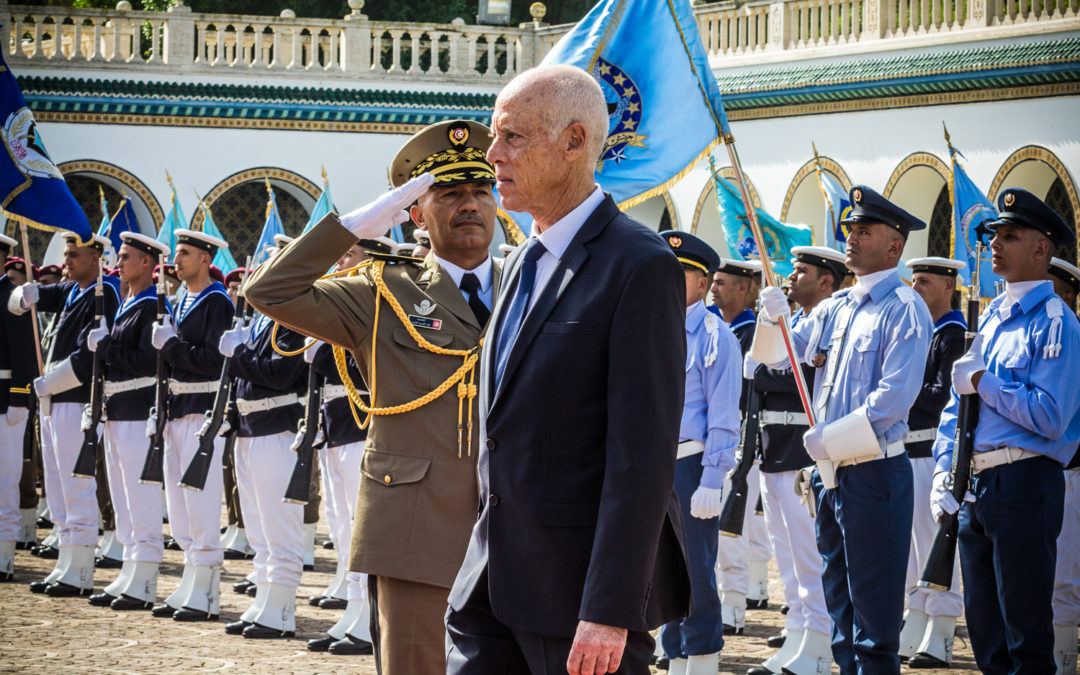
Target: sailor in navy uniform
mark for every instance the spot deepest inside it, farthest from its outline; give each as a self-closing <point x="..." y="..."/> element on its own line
<point x="188" y="339"/>
<point x="18" y="366"/>
<point x="63" y="391"/>
<point x="1020" y="365"/>
<point x="742" y="564"/>
<point x="866" y="339"/>
<point x="1066" y="604"/>
<point x="131" y="367"/>
<point x="930" y="618"/>
<point x="817" y="273"/>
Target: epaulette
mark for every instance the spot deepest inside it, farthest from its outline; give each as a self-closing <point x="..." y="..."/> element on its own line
<point x="907" y="296"/>
<point x="1055" y="309"/>
<point x="392" y="259"/>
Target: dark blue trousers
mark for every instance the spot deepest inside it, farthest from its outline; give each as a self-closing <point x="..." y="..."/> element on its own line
<point x="703" y="631"/>
<point x="1008" y="549"/>
<point x="864" y="532"/>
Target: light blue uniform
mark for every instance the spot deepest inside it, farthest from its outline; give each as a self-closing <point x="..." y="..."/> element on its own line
<point x="1029" y="398"/>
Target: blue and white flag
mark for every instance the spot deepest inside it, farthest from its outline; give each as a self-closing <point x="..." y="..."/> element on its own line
<point x="271" y="227"/>
<point x="32" y="189"/>
<point x="971" y="211"/>
<point x="223" y="259"/>
<point x="103" y="228"/>
<point x="174" y="220"/>
<point x="324" y="206"/>
<point x="663" y="101"/>
<point x="122" y="221"/>
<point x="837" y="207"/>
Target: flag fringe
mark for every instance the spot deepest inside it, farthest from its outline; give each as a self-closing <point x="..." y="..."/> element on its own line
<point x="23" y="220"/>
<point x="669" y="183"/>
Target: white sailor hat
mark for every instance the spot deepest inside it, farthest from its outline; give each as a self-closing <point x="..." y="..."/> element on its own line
<point x="96" y="242"/>
<point x="7" y="243"/>
<point x="946" y="267"/>
<point x="282" y="240"/>
<point x="742" y="268"/>
<point x="380" y="245"/>
<point x="201" y="240"/>
<point x="821" y="256"/>
<point x="506" y="249"/>
<point x="147" y="245"/>
<point x="1067" y="272"/>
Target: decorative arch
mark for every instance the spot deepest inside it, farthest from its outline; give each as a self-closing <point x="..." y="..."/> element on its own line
<point x="710" y="191"/>
<point x="920" y="185"/>
<point x="656" y="212"/>
<point x="146" y="205"/>
<point x="828" y="164"/>
<point x="296" y="185"/>
<point x="913" y="160"/>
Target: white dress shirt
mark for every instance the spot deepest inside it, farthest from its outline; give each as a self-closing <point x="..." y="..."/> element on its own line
<point x="482" y="272"/>
<point x="557" y="237"/>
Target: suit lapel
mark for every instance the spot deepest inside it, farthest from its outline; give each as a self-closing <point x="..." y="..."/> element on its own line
<point x="443" y="291"/>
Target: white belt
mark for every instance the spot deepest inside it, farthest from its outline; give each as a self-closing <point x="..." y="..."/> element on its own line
<point x="5" y="374"/>
<point x="920" y="435"/>
<point x="247" y="407"/>
<point x="332" y="391"/>
<point x="178" y="387"/>
<point x="784" y="418"/>
<point x="129" y="385"/>
<point x="891" y="450"/>
<point x="690" y="448"/>
<point x="982" y="461"/>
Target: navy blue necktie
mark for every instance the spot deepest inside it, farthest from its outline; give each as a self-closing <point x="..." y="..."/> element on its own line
<point x="519" y="307"/>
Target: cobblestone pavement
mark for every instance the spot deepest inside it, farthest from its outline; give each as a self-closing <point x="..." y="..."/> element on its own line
<point x="44" y="635"/>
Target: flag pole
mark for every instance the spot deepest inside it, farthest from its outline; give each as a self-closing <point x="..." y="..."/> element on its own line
<point x="770" y="277"/>
<point x="33" y="307"/>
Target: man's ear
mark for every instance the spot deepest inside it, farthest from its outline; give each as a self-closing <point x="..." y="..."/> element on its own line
<point x="417" y="215"/>
<point x="575" y="137"/>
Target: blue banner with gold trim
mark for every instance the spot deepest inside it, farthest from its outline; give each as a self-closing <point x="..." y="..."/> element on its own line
<point x="971" y="212"/>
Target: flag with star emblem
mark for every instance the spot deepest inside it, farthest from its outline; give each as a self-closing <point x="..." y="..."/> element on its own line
<point x="664" y="107"/>
<point x="972" y="210"/>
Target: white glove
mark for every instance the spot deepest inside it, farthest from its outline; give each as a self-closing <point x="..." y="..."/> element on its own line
<point x="814" y="441"/>
<point x="151" y="423"/>
<point x="749" y="366"/>
<point x="233" y="338"/>
<point x="376" y="219"/>
<point x="16" y="416"/>
<point x="941" y="499"/>
<point x="29" y="294"/>
<point x="312" y="350"/>
<point x="298" y="439"/>
<point x="966" y="366"/>
<point x="705" y="503"/>
<point x="162" y="333"/>
<point x="774" y="304"/>
<point x="41" y="387"/>
<point x="96" y="335"/>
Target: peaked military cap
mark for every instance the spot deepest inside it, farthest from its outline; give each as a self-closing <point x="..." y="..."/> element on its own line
<point x="742" y="268"/>
<point x="822" y="256"/>
<point x="692" y="251"/>
<point x="1067" y="272"/>
<point x="282" y="240"/>
<point x="1020" y="208"/>
<point x="147" y="245"/>
<point x="454" y="152"/>
<point x="201" y="240"/>
<point x="868" y="206"/>
<point x="946" y="267"/>
<point x="7" y="243"/>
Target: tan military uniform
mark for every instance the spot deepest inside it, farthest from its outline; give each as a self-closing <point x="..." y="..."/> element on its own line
<point x="418" y="499"/>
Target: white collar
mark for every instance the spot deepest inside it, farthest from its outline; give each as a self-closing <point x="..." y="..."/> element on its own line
<point x="482" y="272"/>
<point x="556" y="238"/>
<point x="864" y="284"/>
<point x="1015" y="291"/>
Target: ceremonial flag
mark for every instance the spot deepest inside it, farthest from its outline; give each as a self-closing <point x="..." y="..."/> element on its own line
<point x="779" y="237"/>
<point x="664" y="105"/>
<point x="271" y="227"/>
<point x="322" y="207"/>
<point x="122" y="221"/>
<point x="971" y="211"/>
<point x="103" y="228"/>
<point x="32" y="189"/>
<point x="175" y="219"/>
<point x="837" y="206"/>
<point x="223" y="259"/>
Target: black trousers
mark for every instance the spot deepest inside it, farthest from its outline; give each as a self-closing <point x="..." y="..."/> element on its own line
<point x="477" y="643"/>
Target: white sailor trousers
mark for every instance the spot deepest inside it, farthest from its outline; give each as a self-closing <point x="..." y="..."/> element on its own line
<point x="275" y="529"/>
<point x="72" y="501"/>
<point x="137" y="505"/>
<point x="923" y="530"/>
<point x="341" y="485"/>
<point x="1066" y="602"/>
<point x="194" y="517"/>
<point x="735" y="553"/>
<point x="11" y="468"/>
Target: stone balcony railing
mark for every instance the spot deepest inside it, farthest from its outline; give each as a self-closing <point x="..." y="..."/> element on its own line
<point x="356" y="49"/>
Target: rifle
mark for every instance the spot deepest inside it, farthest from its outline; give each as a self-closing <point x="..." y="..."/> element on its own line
<point x="153" y="471"/>
<point x="734" y="511"/>
<point x="299" y="487"/>
<point x="194" y="477"/>
<point x="30" y="430"/>
<point x="938" y="571"/>
<point x="86" y="462"/>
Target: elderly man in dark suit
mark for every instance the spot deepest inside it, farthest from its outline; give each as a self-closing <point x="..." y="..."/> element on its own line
<point x="575" y="554"/>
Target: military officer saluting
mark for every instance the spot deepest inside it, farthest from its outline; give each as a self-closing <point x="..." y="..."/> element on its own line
<point x="1028" y="428"/>
<point x="865" y="339"/>
<point x="414" y="328"/>
<point x="709" y="434"/>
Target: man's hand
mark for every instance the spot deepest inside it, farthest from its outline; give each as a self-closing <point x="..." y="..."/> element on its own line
<point x="749" y="367"/>
<point x="162" y="333"/>
<point x="597" y="649"/>
<point x="706" y="502"/>
<point x="29" y="294"/>
<point x="774" y="304"/>
<point x="313" y="347"/>
<point x="967" y="370"/>
<point x="96" y="335"/>
<point x="376" y="219"/>
<point x="814" y="441"/>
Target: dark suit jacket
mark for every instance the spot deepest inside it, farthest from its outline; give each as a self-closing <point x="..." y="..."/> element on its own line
<point x="577" y="448"/>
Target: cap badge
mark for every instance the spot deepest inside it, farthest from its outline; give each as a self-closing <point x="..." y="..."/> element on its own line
<point x="857" y="194"/>
<point x="675" y="242"/>
<point x="1009" y="199"/>
<point x="459" y="135"/>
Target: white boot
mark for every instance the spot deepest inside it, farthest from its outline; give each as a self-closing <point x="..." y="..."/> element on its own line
<point x="356" y="611"/>
<point x="7" y="560"/>
<point x="361" y="625"/>
<point x="63" y="561"/>
<point x="733" y="611"/>
<point x="176" y="598"/>
<point x="116" y="587"/>
<point x="261" y="591"/>
<point x="338" y="587"/>
<point x="814" y="656"/>
<point x="228" y="536"/>
<point x="42" y="509"/>
<point x="279" y="612"/>
<point x="28" y="527"/>
<point x="52" y="540"/>
<point x="912" y="633"/>
<point x="240" y="542"/>
<point x="759" y="583"/>
<point x="678" y="667"/>
<point x="142" y="581"/>
<point x="1065" y="649"/>
<point x="775" y="663"/>
<point x="935" y="650"/>
<point x="205" y="592"/>
<point x="703" y="664"/>
<point x="80" y="570"/>
<point x="309" y="546"/>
